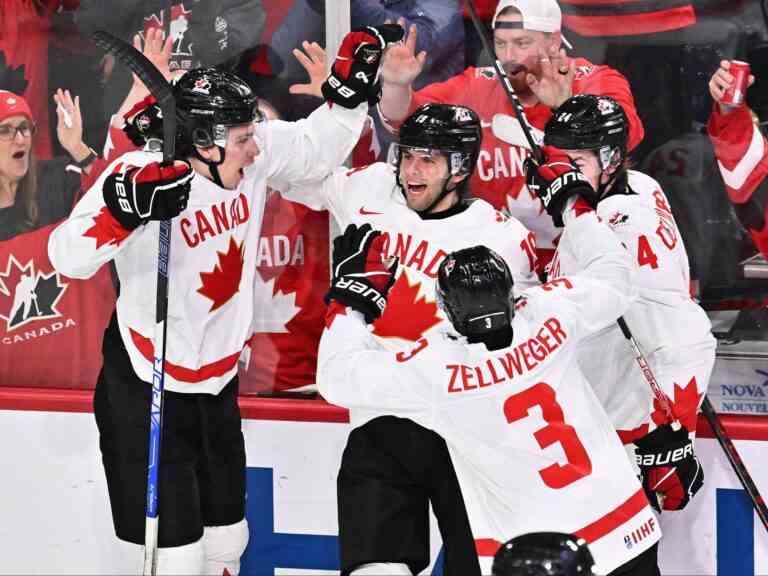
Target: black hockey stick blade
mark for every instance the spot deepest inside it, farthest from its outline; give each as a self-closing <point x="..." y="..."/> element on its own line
<point x="157" y="85"/>
<point x="505" y="83"/>
<point x="736" y="462"/>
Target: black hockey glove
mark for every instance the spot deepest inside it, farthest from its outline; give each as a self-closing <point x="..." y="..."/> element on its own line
<point x="138" y="194"/>
<point x="361" y="276"/>
<point x="353" y="76"/>
<point x="555" y="181"/>
<point x="671" y="473"/>
<point x="144" y="122"/>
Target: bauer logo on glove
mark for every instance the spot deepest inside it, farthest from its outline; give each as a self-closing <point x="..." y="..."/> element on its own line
<point x="134" y="195"/>
<point x="362" y="275"/>
<point x="671" y="473"/>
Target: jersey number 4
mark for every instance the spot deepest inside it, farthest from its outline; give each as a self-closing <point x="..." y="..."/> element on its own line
<point x="645" y="254"/>
<point x="578" y="464"/>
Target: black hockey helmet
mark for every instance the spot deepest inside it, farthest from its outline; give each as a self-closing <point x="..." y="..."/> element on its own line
<point x="588" y="122"/>
<point x="209" y="100"/>
<point x="543" y="554"/>
<point x="452" y="130"/>
<point x="474" y="289"/>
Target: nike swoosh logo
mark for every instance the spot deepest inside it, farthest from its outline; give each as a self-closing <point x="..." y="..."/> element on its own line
<point x="365" y="212"/>
<point x="484" y="124"/>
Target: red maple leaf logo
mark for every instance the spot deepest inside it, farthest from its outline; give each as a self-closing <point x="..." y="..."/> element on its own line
<point x="106" y="230"/>
<point x="224" y="281"/>
<point x="685" y="405"/>
<point x="407" y="315"/>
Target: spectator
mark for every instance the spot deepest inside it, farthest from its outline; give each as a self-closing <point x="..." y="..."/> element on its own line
<point x="742" y="156"/>
<point x="527" y="42"/>
<point x="42" y="313"/>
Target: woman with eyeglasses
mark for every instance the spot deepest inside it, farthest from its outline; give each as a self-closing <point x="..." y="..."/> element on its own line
<point x="50" y="325"/>
<point x="36" y="193"/>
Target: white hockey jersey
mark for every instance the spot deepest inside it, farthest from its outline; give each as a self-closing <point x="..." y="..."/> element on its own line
<point x="532" y="447"/>
<point x="370" y="195"/>
<point x="670" y="327"/>
<point x="214" y="250"/>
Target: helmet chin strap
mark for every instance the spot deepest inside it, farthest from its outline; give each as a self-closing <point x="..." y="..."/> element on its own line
<point x="213" y="166"/>
<point x="443" y="193"/>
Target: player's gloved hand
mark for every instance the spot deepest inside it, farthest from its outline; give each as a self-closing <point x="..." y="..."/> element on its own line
<point x="671" y="473"/>
<point x="556" y="180"/>
<point x="353" y="75"/>
<point x="144" y="121"/>
<point x="135" y="195"/>
<point x="362" y="276"/>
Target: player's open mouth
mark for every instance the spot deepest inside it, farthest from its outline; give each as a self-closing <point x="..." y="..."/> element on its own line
<point x="514" y="69"/>
<point x="417" y="189"/>
<point x="19" y="155"/>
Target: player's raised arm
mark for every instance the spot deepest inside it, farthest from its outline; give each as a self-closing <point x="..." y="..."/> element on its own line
<point x="308" y="150"/>
<point x="603" y="290"/>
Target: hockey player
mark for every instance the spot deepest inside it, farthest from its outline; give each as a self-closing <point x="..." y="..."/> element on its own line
<point x="527" y="42"/>
<point x="742" y="156"/>
<point x="671" y="328"/>
<point x="216" y="194"/>
<point x="392" y="467"/>
<point x="532" y="447"/>
<point x="543" y="554"/>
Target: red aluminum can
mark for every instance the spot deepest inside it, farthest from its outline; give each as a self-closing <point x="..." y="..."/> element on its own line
<point x="735" y="95"/>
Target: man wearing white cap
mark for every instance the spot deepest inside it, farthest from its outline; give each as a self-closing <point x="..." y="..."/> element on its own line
<point x="527" y="42"/>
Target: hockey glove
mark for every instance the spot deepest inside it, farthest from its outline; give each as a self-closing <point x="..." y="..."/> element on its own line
<point x="555" y="181"/>
<point x="137" y="194"/>
<point x="353" y="76"/>
<point x="361" y="276"/>
<point x="144" y="122"/>
<point x="671" y="473"/>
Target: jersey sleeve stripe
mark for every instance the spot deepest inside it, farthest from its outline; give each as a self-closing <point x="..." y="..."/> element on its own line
<point x="735" y="178"/>
<point x="615" y="518"/>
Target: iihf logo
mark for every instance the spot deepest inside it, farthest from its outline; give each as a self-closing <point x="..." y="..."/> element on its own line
<point x="27" y="294"/>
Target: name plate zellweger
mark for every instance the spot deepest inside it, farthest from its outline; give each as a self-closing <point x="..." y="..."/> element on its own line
<point x="739" y="383"/>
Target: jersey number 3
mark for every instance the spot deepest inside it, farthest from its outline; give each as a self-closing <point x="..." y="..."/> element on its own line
<point x="578" y="464"/>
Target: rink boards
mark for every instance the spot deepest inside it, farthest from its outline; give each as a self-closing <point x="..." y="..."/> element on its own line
<point x="56" y="514"/>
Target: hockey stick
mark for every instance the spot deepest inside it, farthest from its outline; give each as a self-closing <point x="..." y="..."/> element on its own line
<point x="645" y="368"/>
<point x="161" y="90"/>
<point x="504" y="79"/>
<point x="736" y="462"/>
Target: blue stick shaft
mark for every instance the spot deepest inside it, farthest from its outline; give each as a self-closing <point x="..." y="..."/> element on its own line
<point x="156" y="410"/>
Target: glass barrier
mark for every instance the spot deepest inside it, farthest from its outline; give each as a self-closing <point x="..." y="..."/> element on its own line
<point x="709" y="159"/>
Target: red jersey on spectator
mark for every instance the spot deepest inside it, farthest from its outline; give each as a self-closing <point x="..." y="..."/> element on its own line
<point x="742" y="156"/>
